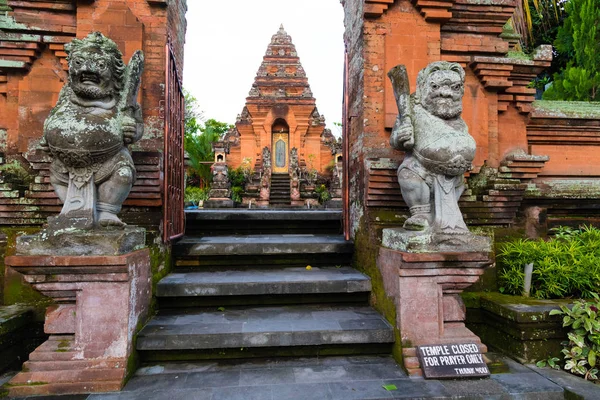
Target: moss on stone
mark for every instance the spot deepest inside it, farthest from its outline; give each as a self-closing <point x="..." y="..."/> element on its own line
<point x="366" y="244"/>
<point x="518" y="55"/>
<point x="568" y="109"/>
<point x="16" y="290"/>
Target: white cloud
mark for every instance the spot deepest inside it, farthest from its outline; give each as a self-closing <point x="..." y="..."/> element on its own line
<point x="226" y="41"/>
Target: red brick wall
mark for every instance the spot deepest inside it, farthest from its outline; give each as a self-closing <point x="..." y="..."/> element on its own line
<point x="33" y="70"/>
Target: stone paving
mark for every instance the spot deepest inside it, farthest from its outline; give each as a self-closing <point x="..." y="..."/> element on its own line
<point x="330" y="378"/>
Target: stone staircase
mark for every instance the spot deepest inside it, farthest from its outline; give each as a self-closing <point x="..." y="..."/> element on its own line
<point x="280" y="190"/>
<point x="241" y="317"/>
<point x="263" y="287"/>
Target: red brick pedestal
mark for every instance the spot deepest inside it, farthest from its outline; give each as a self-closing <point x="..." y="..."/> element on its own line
<point x="426" y="288"/>
<point x="99" y="302"/>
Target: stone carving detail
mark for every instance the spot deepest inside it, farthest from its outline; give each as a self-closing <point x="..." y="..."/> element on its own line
<point x="244" y="117"/>
<point x="317" y="119"/>
<point x="300" y="71"/>
<point x="294" y="163"/>
<point x="87" y="133"/>
<point x="220" y="187"/>
<point x="254" y="91"/>
<point x="265" y="180"/>
<point x="330" y="141"/>
<point x="262" y="70"/>
<point x="439" y="149"/>
<point x="266" y="157"/>
<point x="307" y="92"/>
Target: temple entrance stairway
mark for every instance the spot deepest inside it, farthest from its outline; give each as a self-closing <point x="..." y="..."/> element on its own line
<point x="280" y="190"/>
<point x="250" y="283"/>
<point x="243" y="317"/>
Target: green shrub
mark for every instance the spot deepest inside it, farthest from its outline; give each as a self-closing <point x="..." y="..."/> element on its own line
<point x="323" y="193"/>
<point x="196" y="194"/>
<point x="564" y="267"/>
<point x="582" y="348"/>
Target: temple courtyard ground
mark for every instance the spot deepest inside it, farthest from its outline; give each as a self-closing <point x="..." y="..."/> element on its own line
<point x="336" y="378"/>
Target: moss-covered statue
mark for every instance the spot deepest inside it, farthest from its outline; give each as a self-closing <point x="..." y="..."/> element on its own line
<point x="439" y="149"/>
<point x="87" y="133"/>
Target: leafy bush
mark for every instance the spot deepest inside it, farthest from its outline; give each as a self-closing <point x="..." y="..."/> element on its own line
<point x="323" y="193"/>
<point x="239" y="177"/>
<point x="236" y="193"/>
<point x="566" y="266"/>
<point x="196" y="194"/>
<point x="581" y="350"/>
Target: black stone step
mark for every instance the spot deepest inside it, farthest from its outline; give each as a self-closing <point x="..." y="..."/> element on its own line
<point x="262" y="221"/>
<point x="283" y="327"/>
<point x="263" y="282"/>
<point x="294" y="250"/>
<point x="253" y="286"/>
<point x="261" y="245"/>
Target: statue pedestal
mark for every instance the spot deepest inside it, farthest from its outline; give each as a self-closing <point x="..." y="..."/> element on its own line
<point x="99" y="302"/>
<point x="426" y="288"/>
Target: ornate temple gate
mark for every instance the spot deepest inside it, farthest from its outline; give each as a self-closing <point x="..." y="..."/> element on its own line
<point x="174" y="168"/>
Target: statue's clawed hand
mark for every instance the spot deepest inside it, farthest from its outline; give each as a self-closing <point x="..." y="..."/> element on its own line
<point x="129" y="127"/>
<point x="402" y="137"/>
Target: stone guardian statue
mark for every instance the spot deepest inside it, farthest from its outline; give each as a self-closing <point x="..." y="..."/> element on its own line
<point x="87" y="133"/>
<point x="439" y="149"/>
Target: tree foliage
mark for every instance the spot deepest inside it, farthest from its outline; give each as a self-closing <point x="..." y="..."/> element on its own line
<point x="198" y="140"/>
<point x="579" y="40"/>
<point x="537" y="21"/>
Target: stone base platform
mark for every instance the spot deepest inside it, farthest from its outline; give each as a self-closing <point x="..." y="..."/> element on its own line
<point x="99" y="302"/>
<point x="218" y="203"/>
<point x="426" y="288"/>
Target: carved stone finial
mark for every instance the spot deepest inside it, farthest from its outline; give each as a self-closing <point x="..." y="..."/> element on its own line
<point x="439" y="149"/>
<point x="87" y="133"/>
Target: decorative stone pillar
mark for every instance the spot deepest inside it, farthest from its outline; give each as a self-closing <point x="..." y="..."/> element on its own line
<point x="265" y="179"/>
<point x="220" y="191"/>
<point x="426" y="288"/>
<point x="100" y="302"/>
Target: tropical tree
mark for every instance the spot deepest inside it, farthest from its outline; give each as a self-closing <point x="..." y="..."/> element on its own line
<point x="537" y="21"/>
<point x="579" y="40"/>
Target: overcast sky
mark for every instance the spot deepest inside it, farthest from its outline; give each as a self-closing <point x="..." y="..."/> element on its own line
<point x="226" y="41"/>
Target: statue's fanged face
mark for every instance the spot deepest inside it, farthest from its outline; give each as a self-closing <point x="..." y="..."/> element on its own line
<point x="442" y="94"/>
<point x="91" y="75"/>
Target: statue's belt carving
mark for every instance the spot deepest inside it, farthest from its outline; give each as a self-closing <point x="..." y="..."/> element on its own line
<point x="454" y="167"/>
<point x="80" y="158"/>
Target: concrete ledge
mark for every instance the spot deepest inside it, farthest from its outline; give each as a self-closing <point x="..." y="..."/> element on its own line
<point x="518" y="326"/>
<point x="264" y="282"/>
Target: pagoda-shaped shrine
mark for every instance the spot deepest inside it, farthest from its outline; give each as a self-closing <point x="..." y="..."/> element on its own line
<point x="281" y="114"/>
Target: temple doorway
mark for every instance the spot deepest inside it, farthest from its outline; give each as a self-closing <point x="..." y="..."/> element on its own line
<point x="280" y="134"/>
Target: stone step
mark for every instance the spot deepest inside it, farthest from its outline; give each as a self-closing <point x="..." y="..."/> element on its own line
<point x="252" y="282"/>
<point x="193" y="246"/>
<point x="264" y="327"/>
<point x="262" y="221"/>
